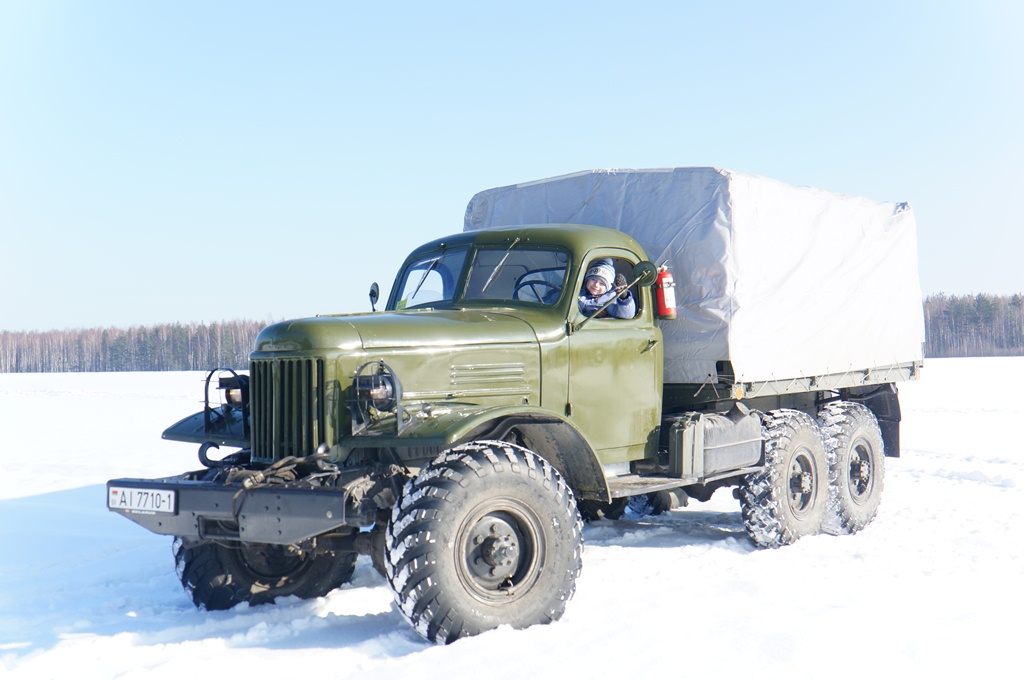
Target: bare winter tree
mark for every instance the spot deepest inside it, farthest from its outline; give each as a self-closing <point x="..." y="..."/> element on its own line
<point x="167" y="347"/>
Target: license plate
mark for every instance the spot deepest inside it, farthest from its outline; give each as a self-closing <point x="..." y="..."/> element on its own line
<point x="147" y="501"/>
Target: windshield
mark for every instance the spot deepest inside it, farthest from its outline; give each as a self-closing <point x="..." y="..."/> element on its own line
<point x="431" y="279"/>
<point x="520" y="275"/>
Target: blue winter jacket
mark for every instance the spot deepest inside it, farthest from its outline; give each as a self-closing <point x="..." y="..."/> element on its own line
<point x="620" y="309"/>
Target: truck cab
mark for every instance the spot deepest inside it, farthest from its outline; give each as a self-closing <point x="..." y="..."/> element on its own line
<point x="601" y="375"/>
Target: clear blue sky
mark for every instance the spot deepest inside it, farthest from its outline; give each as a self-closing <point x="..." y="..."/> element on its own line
<point x="200" y="161"/>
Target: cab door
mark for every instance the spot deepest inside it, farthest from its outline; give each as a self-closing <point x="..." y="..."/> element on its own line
<point x="615" y="376"/>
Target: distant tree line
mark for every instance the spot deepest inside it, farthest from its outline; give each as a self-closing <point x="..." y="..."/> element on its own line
<point x="166" y="347"/>
<point x="955" y="326"/>
<point x="974" y="325"/>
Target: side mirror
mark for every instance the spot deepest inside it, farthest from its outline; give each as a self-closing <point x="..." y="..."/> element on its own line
<point x="645" y="273"/>
<point x="374" y="296"/>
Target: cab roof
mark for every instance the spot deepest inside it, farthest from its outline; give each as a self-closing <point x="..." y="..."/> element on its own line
<point x="579" y="238"/>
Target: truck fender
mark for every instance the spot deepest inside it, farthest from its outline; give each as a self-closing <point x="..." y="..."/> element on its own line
<point x="547" y="434"/>
<point x="884" y="402"/>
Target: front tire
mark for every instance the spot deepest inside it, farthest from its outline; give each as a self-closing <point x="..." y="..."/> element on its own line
<point x="788" y="497"/>
<point x="488" y="534"/>
<point x="856" y="466"/>
<point x="220" y="575"/>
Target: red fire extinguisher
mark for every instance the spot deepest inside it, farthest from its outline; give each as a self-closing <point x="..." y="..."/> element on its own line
<point x="665" y="286"/>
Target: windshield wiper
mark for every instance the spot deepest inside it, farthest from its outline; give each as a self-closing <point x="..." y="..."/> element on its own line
<point x="430" y="268"/>
<point x="497" y="269"/>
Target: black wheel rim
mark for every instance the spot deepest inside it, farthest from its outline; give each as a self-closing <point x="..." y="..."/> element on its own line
<point x="500" y="551"/>
<point x="802" y="482"/>
<point x="860" y="473"/>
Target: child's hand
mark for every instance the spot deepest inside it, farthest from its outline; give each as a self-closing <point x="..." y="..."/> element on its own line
<point x="620" y="286"/>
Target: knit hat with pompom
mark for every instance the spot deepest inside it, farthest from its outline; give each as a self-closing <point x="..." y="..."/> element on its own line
<point x="603" y="269"/>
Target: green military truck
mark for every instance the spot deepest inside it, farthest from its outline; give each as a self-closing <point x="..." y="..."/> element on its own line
<point x="459" y="435"/>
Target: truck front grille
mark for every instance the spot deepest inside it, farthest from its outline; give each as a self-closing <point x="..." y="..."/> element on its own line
<point x="287" y="407"/>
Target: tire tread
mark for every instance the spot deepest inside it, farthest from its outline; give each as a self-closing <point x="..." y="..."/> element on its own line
<point x="429" y="499"/>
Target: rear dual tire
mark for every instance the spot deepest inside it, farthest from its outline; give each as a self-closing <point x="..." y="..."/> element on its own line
<point x="788" y="497"/>
<point x="823" y="475"/>
<point x="856" y="457"/>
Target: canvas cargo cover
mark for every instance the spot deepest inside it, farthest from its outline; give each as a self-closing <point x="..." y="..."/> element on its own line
<point x="781" y="281"/>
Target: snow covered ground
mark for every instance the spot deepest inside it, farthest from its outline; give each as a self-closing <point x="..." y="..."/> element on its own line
<point x="932" y="588"/>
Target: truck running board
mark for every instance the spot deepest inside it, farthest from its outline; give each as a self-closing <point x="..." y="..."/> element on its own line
<point x="634" y="485"/>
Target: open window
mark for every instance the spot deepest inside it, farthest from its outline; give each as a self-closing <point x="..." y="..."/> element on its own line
<point x="610" y="270"/>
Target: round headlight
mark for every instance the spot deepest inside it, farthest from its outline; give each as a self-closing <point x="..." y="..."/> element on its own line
<point x="236" y="390"/>
<point x="376" y="386"/>
<point x="381" y="392"/>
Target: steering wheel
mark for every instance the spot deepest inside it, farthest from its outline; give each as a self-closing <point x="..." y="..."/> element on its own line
<point x="532" y="285"/>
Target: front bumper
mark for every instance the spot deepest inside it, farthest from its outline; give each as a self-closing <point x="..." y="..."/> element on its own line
<point x="281" y="514"/>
